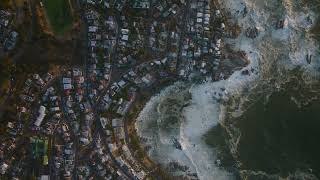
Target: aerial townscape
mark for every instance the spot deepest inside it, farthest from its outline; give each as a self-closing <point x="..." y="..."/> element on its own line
<point x="158" y="89"/>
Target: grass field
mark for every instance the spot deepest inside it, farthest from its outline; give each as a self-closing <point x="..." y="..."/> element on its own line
<point x="59" y="14"/>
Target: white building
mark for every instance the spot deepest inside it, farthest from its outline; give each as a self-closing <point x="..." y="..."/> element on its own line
<point x="42" y="114"/>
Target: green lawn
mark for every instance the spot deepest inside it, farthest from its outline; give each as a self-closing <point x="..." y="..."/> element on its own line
<point x="58" y="12"/>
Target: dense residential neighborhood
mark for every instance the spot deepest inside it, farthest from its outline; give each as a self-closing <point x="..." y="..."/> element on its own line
<point x="78" y="116"/>
<point x="159" y="89"/>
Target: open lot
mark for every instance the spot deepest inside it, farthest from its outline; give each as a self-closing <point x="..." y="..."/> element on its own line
<point x="59" y="15"/>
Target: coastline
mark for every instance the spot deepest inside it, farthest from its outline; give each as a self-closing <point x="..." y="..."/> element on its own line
<point x="281" y="59"/>
<point x="273" y="57"/>
<point x="152" y="167"/>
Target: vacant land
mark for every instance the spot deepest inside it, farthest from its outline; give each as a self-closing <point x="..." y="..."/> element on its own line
<point x="59" y="15"/>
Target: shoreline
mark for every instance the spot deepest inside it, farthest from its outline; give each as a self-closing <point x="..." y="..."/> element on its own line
<point x="238" y="85"/>
<point x="135" y="144"/>
<point x="276" y="64"/>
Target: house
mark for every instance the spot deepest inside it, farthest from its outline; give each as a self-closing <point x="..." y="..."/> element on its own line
<point x="77" y="72"/>
<point x="125" y="31"/>
<point x="27" y="98"/>
<point x="106" y="98"/>
<point x="48" y="77"/>
<point x="125" y="107"/>
<point x="55" y="109"/>
<point x="122" y="84"/>
<point x="50" y="91"/>
<point x="89" y="117"/>
<point x="85" y="107"/>
<point x="92" y="29"/>
<point x="44" y="177"/>
<point x="106" y="4"/>
<point x="66" y="80"/>
<point x="112" y="147"/>
<point x="119" y="133"/>
<point x="53" y="98"/>
<point x="148" y="79"/>
<point x="23" y="109"/>
<point x="141" y="4"/>
<point x="141" y="175"/>
<point x="38" y="79"/>
<point x="41" y="115"/>
<point x="105" y="106"/>
<point x="117" y="122"/>
<point x="67" y="175"/>
<point x="84" y="141"/>
<point x="103" y="122"/>
<point x="28" y="82"/>
<point x="125" y="37"/>
<point x="67" y="83"/>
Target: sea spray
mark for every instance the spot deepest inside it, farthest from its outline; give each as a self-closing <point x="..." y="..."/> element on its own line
<point x="200" y="116"/>
<point x="160" y="130"/>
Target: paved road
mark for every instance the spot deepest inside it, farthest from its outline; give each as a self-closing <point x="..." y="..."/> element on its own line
<point x="99" y="129"/>
<point x="104" y="136"/>
<point x="113" y="58"/>
<point x="185" y="20"/>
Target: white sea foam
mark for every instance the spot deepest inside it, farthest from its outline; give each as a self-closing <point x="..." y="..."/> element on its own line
<point x="200" y="116"/>
<point x="161" y="145"/>
<point x="293" y="42"/>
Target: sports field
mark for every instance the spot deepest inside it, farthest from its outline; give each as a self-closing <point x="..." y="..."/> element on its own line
<point x="59" y="14"/>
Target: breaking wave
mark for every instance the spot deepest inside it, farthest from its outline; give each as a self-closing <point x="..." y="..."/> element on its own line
<point x="172" y="125"/>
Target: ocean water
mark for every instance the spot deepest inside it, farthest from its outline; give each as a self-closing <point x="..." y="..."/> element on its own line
<point x="280" y="132"/>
